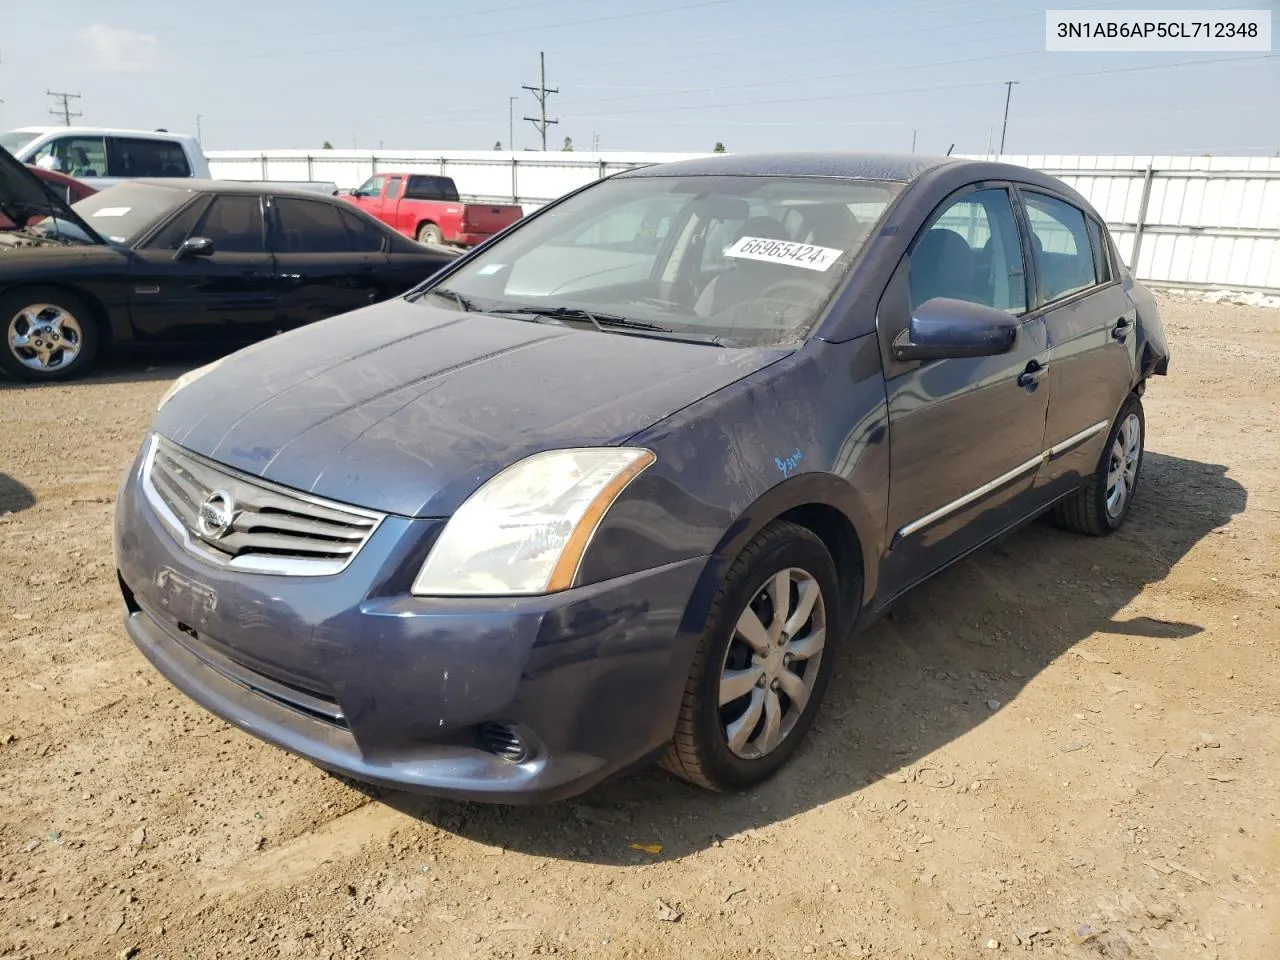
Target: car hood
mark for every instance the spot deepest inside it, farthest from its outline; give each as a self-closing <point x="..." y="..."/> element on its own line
<point x="24" y="198"/>
<point x="407" y="408"/>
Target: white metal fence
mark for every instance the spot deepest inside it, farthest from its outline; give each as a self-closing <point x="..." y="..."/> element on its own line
<point x="1181" y="221"/>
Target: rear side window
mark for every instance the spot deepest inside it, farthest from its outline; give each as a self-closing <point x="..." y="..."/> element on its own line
<point x="1060" y="241"/>
<point x="430" y="188"/>
<point x="309" y="226"/>
<point x="971" y="252"/>
<point x="138" y="157"/>
<point x="393" y="188"/>
<point x="363" y="236"/>
<point x="1101" y="251"/>
<point x="234" y="224"/>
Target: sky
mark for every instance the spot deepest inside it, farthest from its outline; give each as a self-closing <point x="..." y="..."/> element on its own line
<point x="664" y="75"/>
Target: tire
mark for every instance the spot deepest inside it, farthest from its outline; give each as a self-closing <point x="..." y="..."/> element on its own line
<point x="1091" y="510"/>
<point x="33" y="318"/>
<point x="703" y="750"/>
<point x="430" y="233"/>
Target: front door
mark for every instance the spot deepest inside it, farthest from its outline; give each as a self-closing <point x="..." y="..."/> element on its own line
<point x="1090" y="323"/>
<point x="327" y="261"/>
<point x="966" y="435"/>
<point x="228" y="296"/>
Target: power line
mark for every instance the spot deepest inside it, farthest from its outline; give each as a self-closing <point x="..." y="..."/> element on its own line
<point x="540" y="93"/>
<point x="64" y="109"/>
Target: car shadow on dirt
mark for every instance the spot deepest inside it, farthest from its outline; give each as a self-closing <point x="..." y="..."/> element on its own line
<point x="14" y="496"/>
<point x="955" y="652"/>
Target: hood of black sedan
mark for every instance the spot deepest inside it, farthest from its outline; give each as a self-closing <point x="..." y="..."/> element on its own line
<point x="407" y="408"/>
<point x="24" y="198"/>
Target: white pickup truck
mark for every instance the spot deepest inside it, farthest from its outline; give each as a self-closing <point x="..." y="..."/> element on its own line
<point x="102" y="156"/>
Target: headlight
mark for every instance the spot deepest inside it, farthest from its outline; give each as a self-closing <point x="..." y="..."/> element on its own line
<point x="525" y="531"/>
<point x="188" y="378"/>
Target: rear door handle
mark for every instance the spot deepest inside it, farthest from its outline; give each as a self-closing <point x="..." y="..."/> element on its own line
<point x="1032" y="374"/>
<point x="1121" y="330"/>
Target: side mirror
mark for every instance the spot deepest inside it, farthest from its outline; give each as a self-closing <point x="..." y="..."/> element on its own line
<point x="943" y="328"/>
<point x="194" y="247"/>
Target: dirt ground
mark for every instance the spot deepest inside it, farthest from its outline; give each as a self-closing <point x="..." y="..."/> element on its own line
<point x="1062" y="747"/>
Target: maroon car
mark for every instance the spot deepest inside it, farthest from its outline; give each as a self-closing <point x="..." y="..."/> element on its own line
<point x="67" y="188"/>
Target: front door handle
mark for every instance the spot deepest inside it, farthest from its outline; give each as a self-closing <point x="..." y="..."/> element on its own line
<point x="1032" y="374"/>
<point x="1121" y="330"/>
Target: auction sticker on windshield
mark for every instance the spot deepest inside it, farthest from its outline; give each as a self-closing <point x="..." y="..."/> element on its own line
<point x="112" y="212"/>
<point x="784" y="251"/>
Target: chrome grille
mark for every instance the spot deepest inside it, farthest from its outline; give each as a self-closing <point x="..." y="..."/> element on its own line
<point x="239" y="521"/>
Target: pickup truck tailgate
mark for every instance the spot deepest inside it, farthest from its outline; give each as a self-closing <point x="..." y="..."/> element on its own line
<point x="489" y="218"/>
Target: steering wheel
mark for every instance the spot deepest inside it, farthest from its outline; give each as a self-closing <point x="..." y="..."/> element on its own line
<point x="808" y="289"/>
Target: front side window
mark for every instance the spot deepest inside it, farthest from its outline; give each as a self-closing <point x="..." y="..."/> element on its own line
<point x="370" y="188"/>
<point x="173" y="233"/>
<point x="752" y="261"/>
<point x="1060" y="241"/>
<point x="971" y="252"/>
<point x="234" y="224"/>
<point x="77" y="157"/>
<point x="144" y="157"/>
<point x="309" y="226"/>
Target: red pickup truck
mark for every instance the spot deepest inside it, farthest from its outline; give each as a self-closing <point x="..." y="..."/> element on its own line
<point x="427" y="208"/>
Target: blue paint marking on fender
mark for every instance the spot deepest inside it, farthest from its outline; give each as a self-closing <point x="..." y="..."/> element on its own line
<point x="788" y="466"/>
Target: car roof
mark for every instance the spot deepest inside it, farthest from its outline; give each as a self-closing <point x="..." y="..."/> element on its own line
<point x="229" y="186"/>
<point x="104" y="132"/>
<point x="844" y="165"/>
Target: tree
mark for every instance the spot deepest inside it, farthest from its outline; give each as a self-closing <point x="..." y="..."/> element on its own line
<point x="497" y="145"/>
<point x="719" y="147"/>
<point x="327" y="146"/>
<point x="568" y="145"/>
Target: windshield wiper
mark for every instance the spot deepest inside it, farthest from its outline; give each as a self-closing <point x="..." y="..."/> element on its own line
<point x="465" y="303"/>
<point x="598" y="320"/>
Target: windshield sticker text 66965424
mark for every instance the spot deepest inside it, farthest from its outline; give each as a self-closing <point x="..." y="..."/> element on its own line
<point x="804" y="255"/>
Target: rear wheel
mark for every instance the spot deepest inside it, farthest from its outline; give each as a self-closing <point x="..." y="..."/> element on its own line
<point x="763" y="664"/>
<point x="1101" y="506"/>
<point x="430" y="233"/>
<point x="49" y="334"/>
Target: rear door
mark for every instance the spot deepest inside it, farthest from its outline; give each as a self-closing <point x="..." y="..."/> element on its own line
<point x="327" y="261"/>
<point x="228" y="296"/>
<point x="966" y="435"/>
<point x="1090" y="324"/>
<point x="391" y="214"/>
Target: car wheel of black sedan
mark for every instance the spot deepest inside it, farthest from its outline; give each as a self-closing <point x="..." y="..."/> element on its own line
<point x="763" y="664"/>
<point x="1102" y="505"/>
<point x="50" y="334"/>
<point x="430" y="233"/>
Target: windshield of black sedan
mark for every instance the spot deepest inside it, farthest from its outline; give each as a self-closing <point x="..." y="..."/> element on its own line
<point x="750" y="260"/>
<point x="125" y="212"/>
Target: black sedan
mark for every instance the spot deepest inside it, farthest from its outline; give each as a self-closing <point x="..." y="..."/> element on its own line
<point x="167" y="262"/>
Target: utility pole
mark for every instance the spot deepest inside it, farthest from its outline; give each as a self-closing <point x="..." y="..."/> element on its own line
<point x="199" y="137"/>
<point x="540" y="93"/>
<point x="913" y="140"/>
<point x="1008" y="93"/>
<point x="64" y="110"/>
<point x="595" y="142"/>
<point x="990" y="134"/>
<point x="511" y="122"/>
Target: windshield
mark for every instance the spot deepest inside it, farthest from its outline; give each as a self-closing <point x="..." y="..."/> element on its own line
<point x="15" y="140"/>
<point x="123" y="213"/>
<point x="750" y="260"/>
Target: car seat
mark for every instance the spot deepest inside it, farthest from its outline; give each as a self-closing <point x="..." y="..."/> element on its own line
<point x="942" y="265"/>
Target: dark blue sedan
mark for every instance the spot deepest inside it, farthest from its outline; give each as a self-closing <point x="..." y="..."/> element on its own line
<point x="614" y="486"/>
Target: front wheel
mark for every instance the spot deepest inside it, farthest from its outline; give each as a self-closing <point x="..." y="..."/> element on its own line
<point x="763" y="663"/>
<point x="49" y="335"/>
<point x="1101" y="506"/>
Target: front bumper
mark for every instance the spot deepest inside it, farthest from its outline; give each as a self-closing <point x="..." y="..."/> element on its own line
<point x="352" y="673"/>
